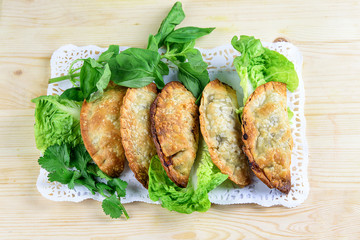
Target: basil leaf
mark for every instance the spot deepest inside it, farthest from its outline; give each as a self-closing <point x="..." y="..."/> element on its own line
<point x="73" y="94"/>
<point x="104" y="80"/>
<point x="136" y="83"/>
<point x="194" y="57"/>
<point x="192" y="79"/>
<point x="152" y="43"/>
<point x="90" y="74"/>
<point x="159" y="80"/>
<point x="187" y="34"/>
<point x="136" y="64"/>
<point x="94" y="63"/>
<point x="162" y="68"/>
<point x="174" y="17"/>
<point x="113" y="50"/>
<point x="114" y="69"/>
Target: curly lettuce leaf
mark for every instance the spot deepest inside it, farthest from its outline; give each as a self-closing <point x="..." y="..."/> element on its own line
<point x="189" y="199"/>
<point x="57" y="121"/>
<point x="258" y="65"/>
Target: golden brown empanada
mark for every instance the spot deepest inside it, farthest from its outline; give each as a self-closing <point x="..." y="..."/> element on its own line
<point x="221" y="128"/>
<point x="135" y="130"/>
<point x="175" y="130"/>
<point x="267" y="135"/>
<point x="100" y="130"/>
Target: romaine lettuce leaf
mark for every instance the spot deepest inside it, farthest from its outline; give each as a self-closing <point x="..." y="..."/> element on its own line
<point x="258" y="65"/>
<point x="189" y="199"/>
<point x="57" y="121"/>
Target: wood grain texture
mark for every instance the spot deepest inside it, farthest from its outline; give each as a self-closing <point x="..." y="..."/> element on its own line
<point x="327" y="33"/>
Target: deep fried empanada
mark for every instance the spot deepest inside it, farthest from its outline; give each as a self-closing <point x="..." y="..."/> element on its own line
<point x="221" y="128"/>
<point x="135" y="130"/>
<point x="175" y="130"/>
<point x="267" y="135"/>
<point x="100" y="130"/>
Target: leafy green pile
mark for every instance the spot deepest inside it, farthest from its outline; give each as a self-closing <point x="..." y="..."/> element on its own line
<point x="189" y="199"/>
<point x="137" y="67"/>
<point x="258" y="65"/>
<point x="57" y="121"/>
<point x="57" y="118"/>
<point x="73" y="165"/>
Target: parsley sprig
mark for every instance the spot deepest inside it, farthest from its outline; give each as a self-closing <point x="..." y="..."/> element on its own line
<point x="73" y="165"/>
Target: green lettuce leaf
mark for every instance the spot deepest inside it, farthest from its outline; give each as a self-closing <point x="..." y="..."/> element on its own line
<point x="290" y="114"/>
<point x="57" y="121"/>
<point x="258" y="65"/>
<point x="189" y="199"/>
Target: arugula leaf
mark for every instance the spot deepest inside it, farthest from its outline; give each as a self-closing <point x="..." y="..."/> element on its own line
<point x="174" y="18"/>
<point x="113" y="207"/>
<point x="187" y="34"/>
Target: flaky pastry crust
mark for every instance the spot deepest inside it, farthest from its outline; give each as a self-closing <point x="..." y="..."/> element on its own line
<point x="221" y="128"/>
<point x="135" y="130"/>
<point x="175" y="131"/>
<point x="267" y="135"/>
<point x="100" y="130"/>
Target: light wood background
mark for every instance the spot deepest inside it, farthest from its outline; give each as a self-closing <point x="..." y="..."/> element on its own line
<point x="327" y="33"/>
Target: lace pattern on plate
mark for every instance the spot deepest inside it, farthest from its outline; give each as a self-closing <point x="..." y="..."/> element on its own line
<point x="220" y="66"/>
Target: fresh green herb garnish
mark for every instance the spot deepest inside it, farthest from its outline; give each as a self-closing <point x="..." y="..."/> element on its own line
<point x="174" y="18"/>
<point x="136" y="67"/>
<point x="139" y="67"/>
<point x="187" y="34"/>
<point x="57" y="125"/>
<point x="60" y="161"/>
<point x="192" y="70"/>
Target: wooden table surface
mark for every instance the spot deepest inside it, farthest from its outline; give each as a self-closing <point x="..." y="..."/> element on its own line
<point x="327" y="33"/>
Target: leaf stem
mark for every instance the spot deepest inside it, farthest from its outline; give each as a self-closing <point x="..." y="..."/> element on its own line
<point x="124" y="210"/>
<point x="62" y="78"/>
